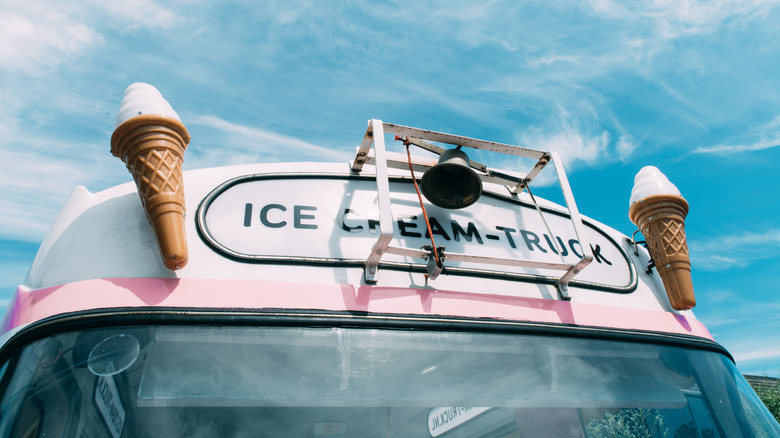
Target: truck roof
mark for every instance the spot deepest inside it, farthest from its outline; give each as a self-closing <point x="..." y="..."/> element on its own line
<point x="297" y="236"/>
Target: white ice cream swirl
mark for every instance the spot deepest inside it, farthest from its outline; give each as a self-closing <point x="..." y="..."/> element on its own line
<point x="650" y="181"/>
<point x="141" y="98"/>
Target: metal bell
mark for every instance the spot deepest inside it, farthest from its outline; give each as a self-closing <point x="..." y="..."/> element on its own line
<point x="451" y="183"/>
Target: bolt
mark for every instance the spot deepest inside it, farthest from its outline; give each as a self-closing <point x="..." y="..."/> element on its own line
<point x="668" y="266"/>
<point x="379" y="251"/>
<point x="360" y="161"/>
<point x="362" y="154"/>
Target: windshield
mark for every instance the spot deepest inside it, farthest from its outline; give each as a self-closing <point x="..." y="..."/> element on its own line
<point x="359" y="382"/>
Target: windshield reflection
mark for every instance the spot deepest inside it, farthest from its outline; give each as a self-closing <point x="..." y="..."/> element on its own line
<point x="354" y="382"/>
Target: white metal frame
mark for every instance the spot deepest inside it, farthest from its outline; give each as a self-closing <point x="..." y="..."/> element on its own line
<point x="382" y="160"/>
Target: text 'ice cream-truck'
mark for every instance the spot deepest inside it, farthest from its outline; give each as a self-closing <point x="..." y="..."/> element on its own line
<point x="415" y="293"/>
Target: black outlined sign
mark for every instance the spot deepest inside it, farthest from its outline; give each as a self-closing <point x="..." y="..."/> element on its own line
<point x="329" y="219"/>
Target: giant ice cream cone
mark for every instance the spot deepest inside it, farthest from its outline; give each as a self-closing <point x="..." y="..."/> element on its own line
<point x="151" y="140"/>
<point x="660" y="217"/>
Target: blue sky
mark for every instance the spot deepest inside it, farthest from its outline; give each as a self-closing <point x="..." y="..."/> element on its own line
<point x="690" y="87"/>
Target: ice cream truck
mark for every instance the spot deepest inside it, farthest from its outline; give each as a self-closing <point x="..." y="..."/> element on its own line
<point x="409" y="292"/>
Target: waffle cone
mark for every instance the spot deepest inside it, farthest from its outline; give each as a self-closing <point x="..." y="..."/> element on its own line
<point x="152" y="146"/>
<point x="661" y="218"/>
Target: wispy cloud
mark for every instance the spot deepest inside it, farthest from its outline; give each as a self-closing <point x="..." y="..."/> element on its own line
<point x="32" y="36"/>
<point x="734" y="250"/>
<point x="37" y="36"/>
<point x="242" y="144"/>
<point x="755" y="352"/>
<point x="652" y="54"/>
<point x="578" y="140"/>
<point x="142" y="13"/>
<point x="675" y="18"/>
<point x="625" y="146"/>
<point x="761" y="353"/>
<point x="745" y="324"/>
<point x="17" y="257"/>
<point x="39" y="171"/>
<point x="766" y="136"/>
<point x="52" y="139"/>
<point x="566" y="135"/>
<point x="36" y="184"/>
<point x="738" y="148"/>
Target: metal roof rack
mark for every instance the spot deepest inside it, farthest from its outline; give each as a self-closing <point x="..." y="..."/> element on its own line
<point x="382" y="160"/>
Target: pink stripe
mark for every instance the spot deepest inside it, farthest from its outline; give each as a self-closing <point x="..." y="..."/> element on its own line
<point x="30" y="306"/>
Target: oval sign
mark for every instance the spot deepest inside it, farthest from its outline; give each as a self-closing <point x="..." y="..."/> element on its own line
<point x="335" y="220"/>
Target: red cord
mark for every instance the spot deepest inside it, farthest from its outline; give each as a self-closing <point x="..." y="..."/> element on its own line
<point x="419" y="196"/>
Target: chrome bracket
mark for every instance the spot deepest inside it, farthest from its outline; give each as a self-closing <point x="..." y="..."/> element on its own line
<point x="382" y="160"/>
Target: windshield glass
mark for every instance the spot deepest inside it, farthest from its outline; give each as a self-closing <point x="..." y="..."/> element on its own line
<point x="359" y="382"/>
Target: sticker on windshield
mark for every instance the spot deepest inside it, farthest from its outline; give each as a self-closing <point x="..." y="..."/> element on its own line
<point x="110" y="405"/>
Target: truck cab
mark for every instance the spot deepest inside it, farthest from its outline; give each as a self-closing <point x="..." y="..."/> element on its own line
<point x="342" y="300"/>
